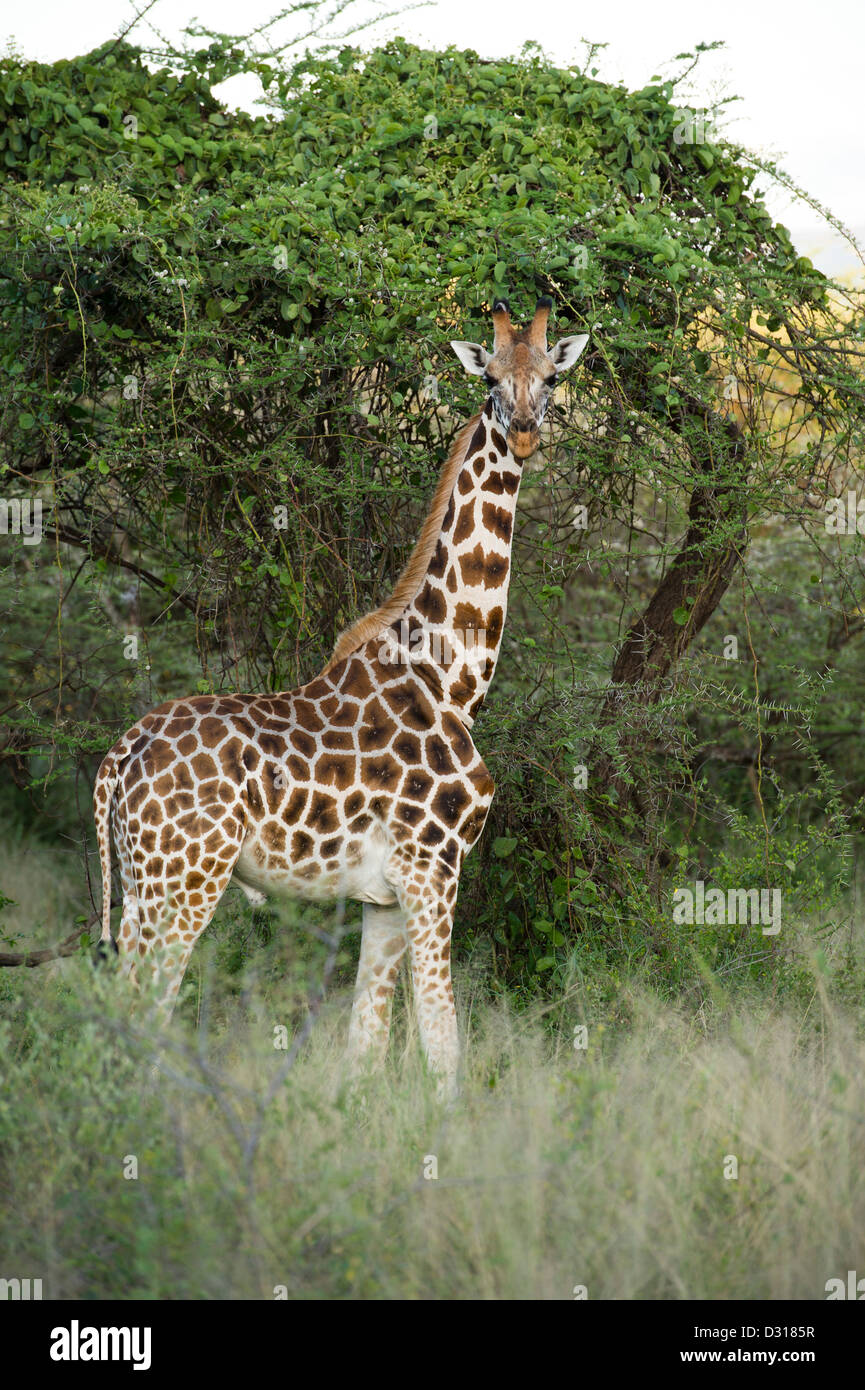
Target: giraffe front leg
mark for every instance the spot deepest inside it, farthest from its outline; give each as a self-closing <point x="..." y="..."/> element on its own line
<point x="428" y="928"/>
<point x="382" y="947"/>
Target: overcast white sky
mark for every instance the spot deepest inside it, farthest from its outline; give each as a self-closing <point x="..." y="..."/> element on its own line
<point x="798" y="67"/>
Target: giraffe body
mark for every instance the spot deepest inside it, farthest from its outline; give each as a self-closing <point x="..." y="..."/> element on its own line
<point x="364" y="783"/>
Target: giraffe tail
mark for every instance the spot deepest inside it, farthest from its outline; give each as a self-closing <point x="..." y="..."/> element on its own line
<point x="103" y="800"/>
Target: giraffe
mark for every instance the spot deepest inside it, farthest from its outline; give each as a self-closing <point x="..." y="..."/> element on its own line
<point x="364" y="783"/>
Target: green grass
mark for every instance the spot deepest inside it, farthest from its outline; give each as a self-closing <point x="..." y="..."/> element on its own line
<point x="43" y="886"/>
<point x="556" y="1168"/>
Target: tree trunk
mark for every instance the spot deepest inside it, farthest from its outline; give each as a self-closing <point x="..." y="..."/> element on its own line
<point x="626" y="799"/>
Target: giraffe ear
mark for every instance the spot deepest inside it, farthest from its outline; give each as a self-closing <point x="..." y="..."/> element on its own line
<point x="567" y="350"/>
<point x="473" y="357"/>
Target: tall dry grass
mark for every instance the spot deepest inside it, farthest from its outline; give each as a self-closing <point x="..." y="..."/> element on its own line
<point x="610" y="1167"/>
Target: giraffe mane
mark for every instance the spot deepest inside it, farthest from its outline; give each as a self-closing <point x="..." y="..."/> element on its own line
<point x="369" y="626"/>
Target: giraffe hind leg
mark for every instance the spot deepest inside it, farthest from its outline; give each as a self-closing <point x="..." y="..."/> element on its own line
<point x="126" y="941"/>
<point x="168" y="904"/>
<point x="169" y="931"/>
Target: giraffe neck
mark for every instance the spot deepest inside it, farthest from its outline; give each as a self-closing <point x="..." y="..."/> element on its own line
<point x="450" y="631"/>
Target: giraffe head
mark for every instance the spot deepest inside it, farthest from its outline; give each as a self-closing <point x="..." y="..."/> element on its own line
<point x="520" y="372"/>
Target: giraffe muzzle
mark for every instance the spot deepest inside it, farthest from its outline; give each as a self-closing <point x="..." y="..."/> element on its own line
<point x="523" y="440"/>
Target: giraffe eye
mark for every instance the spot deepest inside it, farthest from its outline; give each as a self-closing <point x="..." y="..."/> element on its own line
<point x="551" y="380"/>
<point x="490" y="380"/>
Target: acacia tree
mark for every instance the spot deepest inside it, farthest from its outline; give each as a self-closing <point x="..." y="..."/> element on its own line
<point x="224" y="346"/>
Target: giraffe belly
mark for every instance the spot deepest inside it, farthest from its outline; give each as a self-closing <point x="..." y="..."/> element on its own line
<point x="359" y="876"/>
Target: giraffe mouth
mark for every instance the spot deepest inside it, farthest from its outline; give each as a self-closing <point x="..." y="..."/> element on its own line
<point x="523" y="443"/>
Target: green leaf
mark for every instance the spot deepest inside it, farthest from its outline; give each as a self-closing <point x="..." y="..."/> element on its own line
<point x="504" y="846"/>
